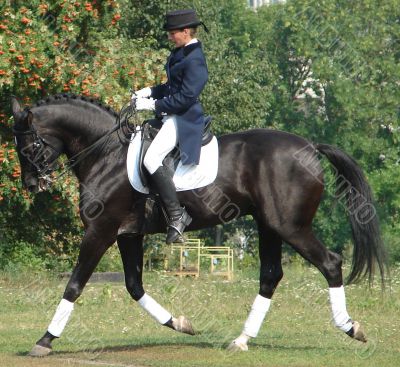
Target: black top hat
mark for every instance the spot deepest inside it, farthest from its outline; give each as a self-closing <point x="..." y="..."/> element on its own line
<point x="179" y="19"/>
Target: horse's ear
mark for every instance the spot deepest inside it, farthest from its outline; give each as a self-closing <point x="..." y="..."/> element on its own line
<point x="29" y="119"/>
<point x="16" y="107"/>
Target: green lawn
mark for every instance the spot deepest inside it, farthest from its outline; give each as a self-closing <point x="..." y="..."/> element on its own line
<point x="107" y="328"/>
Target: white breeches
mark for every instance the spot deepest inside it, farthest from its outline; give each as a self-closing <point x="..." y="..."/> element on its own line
<point x="163" y="143"/>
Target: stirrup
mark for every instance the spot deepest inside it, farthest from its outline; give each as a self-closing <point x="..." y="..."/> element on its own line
<point x="176" y="228"/>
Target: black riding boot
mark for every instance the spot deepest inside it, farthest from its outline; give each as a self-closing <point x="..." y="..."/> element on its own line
<point x="178" y="216"/>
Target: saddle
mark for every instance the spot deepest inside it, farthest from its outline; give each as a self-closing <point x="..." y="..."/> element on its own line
<point x="149" y="132"/>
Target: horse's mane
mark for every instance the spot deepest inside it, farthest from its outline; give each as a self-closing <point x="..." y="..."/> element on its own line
<point x="69" y="97"/>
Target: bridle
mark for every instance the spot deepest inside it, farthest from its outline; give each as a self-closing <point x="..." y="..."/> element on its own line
<point x="43" y="167"/>
<point x="126" y="122"/>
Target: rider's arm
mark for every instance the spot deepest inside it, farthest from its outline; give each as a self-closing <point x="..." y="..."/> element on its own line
<point x="159" y="91"/>
<point x="194" y="79"/>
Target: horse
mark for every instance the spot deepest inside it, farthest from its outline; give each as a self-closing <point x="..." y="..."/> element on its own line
<point x="274" y="176"/>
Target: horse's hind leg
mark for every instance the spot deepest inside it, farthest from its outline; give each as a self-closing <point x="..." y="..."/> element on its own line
<point x="131" y="249"/>
<point x="270" y="250"/>
<point x="330" y="265"/>
<point x="93" y="246"/>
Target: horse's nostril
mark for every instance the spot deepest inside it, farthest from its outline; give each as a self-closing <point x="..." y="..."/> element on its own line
<point x="33" y="188"/>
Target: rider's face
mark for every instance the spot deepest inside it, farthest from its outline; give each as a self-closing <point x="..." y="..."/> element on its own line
<point x="180" y="37"/>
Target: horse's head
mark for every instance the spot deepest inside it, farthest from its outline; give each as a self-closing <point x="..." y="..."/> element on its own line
<point x="37" y="152"/>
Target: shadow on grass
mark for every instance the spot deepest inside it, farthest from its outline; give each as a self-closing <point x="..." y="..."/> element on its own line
<point x="200" y="345"/>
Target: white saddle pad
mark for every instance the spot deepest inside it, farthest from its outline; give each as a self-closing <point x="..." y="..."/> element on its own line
<point x="186" y="177"/>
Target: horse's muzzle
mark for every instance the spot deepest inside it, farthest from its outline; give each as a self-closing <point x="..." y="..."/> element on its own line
<point x="31" y="183"/>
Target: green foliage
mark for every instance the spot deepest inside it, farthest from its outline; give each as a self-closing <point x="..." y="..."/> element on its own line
<point x="111" y="261"/>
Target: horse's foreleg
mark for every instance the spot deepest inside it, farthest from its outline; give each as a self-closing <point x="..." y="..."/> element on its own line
<point x="131" y="249"/>
<point x="93" y="247"/>
<point x="330" y="265"/>
<point x="271" y="273"/>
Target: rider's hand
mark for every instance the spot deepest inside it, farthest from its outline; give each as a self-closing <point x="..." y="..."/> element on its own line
<point x="142" y="93"/>
<point x="145" y="104"/>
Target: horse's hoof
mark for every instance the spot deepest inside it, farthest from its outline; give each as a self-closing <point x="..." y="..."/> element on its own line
<point x="183" y="325"/>
<point x="237" y="347"/>
<point x="39" y="351"/>
<point x="358" y="333"/>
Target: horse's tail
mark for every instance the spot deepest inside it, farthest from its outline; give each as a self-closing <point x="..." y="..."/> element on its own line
<point x="353" y="187"/>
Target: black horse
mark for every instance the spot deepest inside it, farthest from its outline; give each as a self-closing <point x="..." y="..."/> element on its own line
<point x="272" y="175"/>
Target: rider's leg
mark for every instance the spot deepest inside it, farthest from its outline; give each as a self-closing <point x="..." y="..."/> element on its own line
<point x="165" y="140"/>
<point x="161" y="179"/>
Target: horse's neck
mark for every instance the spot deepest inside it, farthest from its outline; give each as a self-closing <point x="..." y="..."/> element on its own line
<point x="79" y="127"/>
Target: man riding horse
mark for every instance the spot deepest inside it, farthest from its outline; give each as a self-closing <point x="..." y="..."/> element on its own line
<point x="177" y="103"/>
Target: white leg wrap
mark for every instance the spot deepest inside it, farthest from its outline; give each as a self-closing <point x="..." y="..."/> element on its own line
<point x="154" y="309"/>
<point x="340" y="316"/>
<point x="257" y="314"/>
<point x="61" y="317"/>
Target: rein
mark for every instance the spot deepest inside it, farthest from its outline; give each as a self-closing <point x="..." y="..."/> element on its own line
<point x="124" y="118"/>
<point x="77" y="158"/>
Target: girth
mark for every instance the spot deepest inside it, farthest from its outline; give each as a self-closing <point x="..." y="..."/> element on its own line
<point x="149" y="132"/>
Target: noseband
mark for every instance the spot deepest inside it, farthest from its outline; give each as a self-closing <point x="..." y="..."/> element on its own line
<point x="39" y="160"/>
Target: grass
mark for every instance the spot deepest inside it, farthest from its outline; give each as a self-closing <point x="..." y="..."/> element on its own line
<point x="107" y="328"/>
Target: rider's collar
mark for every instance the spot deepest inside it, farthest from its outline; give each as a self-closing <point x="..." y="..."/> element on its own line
<point x="193" y="40"/>
<point x="190" y="47"/>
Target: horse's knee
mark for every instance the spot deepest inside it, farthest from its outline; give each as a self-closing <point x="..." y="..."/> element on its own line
<point x="135" y="289"/>
<point x="72" y="292"/>
<point x="269" y="280"/>
<point x="332" y="269"/>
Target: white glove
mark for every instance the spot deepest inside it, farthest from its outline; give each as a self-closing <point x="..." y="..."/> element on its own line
<point x="145" y="104"/>
<point x="142" y="93"/>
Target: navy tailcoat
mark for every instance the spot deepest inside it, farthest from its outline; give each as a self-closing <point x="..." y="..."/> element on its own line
<point x="187" y="75"/>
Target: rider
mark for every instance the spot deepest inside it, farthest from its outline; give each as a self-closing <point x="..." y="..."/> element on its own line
<point x="183" y="120"/>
